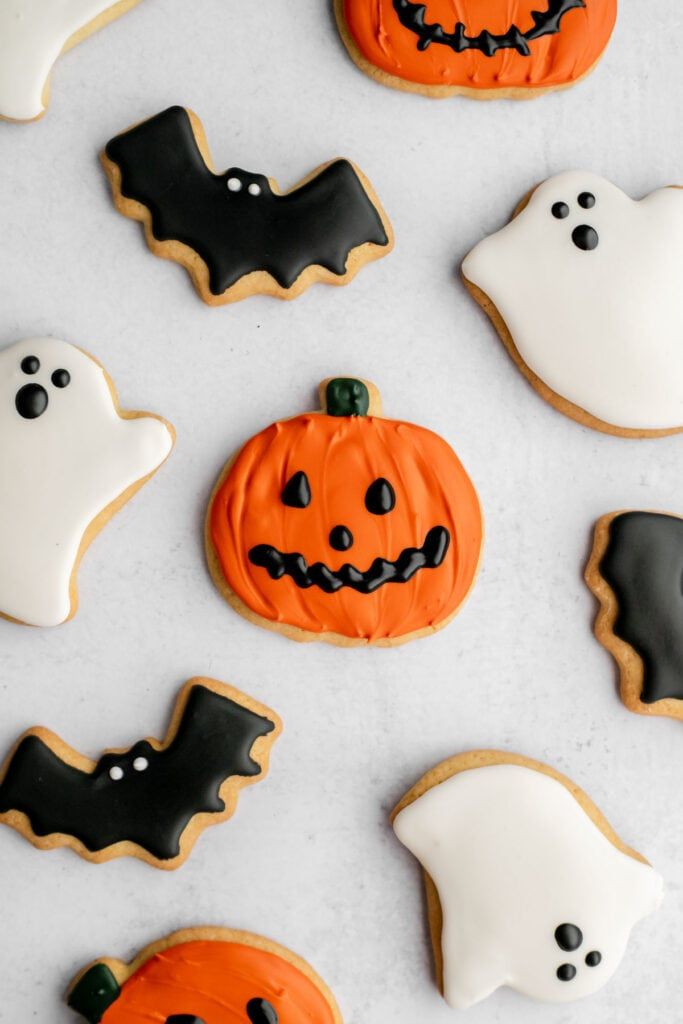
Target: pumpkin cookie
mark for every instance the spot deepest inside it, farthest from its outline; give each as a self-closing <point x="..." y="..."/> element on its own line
<point x="485" y="50"/>
<point x="527" y="884"/>
<point x="345" y="526"/>
<point x="205" y="976"/>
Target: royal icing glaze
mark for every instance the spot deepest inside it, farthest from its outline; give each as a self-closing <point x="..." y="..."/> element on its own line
<point x="66" y="455"/>
<point x="343" y="523"/>
<point x="587" y="282"/>
<point x="533" y="894"/>
<point x="33" y="33"/>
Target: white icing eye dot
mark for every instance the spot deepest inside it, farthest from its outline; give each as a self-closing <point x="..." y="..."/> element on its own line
<point x="254" y="189"/>
<point x="140" y="764"/>
<point x="116" y="773"/>
<point x="234" y="184"/>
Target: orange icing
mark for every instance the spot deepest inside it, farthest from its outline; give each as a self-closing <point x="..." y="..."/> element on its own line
<point x="555" y="59"/>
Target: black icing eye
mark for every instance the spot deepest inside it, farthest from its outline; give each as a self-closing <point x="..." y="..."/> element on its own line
<point x="184" y="1018"/>
<point x="586" y="200"/>
<point x="261" y="1012"/>
<point x="61" y="378"/>
<point x="297" y="491"/>
<point x="31" y="364"/>
<point x="585" y="238"/>
<point x="566" y="972"/>
<point x="380" y="497"/>
<point x="594" y="959"/>
<point x="560" y="210"/>
<point x="568" y="937"/>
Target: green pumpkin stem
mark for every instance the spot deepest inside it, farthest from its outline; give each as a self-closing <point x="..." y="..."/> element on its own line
<point x="93" y="994"/>
<point x="345" y="396"/>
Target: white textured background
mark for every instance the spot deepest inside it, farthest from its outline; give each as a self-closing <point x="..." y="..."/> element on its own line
<point x="309" y="858"/>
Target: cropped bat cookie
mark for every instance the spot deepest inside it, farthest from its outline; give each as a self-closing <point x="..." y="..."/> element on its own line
<point x="151" y="801"/>
<point x="33" y="33"/>
<point x="235" y="233"/>
<point x="509" y="49"/>
<point x="205" y="976"/>
<point x="344" y="526"/>
<point x="527" y="884"/>
<point x="635" y="571"/>
<point x="583" y="286"/>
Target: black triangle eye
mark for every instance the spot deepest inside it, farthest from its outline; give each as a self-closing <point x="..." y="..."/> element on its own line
<point x="297" y="491"/>
<point x="380" y="497"/>
<point x="261" y="1012"/>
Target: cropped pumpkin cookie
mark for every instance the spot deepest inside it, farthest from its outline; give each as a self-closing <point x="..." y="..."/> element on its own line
<point x="341" y="525"/>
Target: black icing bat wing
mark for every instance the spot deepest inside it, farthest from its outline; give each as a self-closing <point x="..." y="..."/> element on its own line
<point x="148" y="794"/>
<point x="235" y="222"/>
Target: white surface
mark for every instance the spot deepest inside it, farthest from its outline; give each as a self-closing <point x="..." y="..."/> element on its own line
<point x="310" y="858"/>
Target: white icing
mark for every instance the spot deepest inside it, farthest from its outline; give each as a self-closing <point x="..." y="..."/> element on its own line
<point x="513" y="856"/>
<point x="33" y="33"/>
<point x="116" y="773"/>
<point x="59" y="471"/>
<point x="602" y="328"/>
<point x="254" y="189"/>
<point x="140" y="764"/>
<point x="234" y="184"/>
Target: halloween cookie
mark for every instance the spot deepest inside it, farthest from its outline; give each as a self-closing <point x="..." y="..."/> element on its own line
<point x="69" y="459"/>
<point x="235" y="233"/>
<point x="635" y="571"/>
<point x="583" y="288"/>
<point x="205" y="976"/>
<point x="527" y="884"/>
<point x="151" y="801"/>
<point x="344" y="526"/>
<point x="33" y="33"/>
<point x="484" y="50"/>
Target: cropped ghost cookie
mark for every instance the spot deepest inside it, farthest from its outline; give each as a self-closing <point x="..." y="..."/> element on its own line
<point x="485" y="49"/>
<point x="235" y="233"/>
<point x="344" y="526"/>
<point x="205" y="976"/>
<point x="583" y="286"/>
<point x="33" y="33"/>
<point x="69" y="459"/>
<point x="527" y="884"/>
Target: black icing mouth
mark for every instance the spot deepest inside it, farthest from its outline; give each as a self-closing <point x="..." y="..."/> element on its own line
<point x="546" y="23"/>
<point x="409" y="562"/>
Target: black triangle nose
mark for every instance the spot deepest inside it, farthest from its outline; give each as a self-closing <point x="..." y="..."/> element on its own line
<point x="341" y="538"/>
<point x="31" y="401"/>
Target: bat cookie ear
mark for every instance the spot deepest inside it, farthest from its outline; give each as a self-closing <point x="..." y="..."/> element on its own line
<point x="94" y="993"/>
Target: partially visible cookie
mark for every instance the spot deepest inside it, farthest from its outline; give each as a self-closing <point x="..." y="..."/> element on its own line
<point x="527" y="884"/>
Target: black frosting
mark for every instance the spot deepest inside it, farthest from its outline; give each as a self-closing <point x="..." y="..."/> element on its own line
<point x="236" y="232"/>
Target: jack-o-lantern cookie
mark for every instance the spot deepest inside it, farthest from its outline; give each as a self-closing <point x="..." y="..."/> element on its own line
<point x="485" y="50"/>
<point x="635" y="571"/>
<point x="33" y="33"/>
<point x="205" y="976"/>
<point x="583" y="287"/>
<point x="344" y="526"/>
<point x="69" y="459"/>
<point x="527" y="884"/>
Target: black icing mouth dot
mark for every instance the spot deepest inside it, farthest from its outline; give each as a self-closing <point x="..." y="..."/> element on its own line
<point x="260" y="1011"/>
<point x="585" y="238"/>
<point x="569" y="938"/>
<point x="31" y="401"/>
<point x="184" y="1018"/>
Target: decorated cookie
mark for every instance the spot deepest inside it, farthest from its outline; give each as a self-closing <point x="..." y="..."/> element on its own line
<point x="527" y="884"/>
<point x="583" y="286"/>
<point x="635" y="571"/>
<point x="484" y="49"/>
<point x="152" y="800"/>
<point x="344" y="526"/>
<point x="33" y="33"/>
<point x="69" y="459"/>
<point x="235" y="233"/>
<point x="205" y="976"/>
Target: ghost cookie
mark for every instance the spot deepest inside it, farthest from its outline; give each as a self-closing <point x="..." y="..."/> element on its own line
<point x="485" y="49"/>
<point x="235" y="233"/>
<point x="69" y="458"/>
<point x="152" y="800"/>
<point x="583" y="286"/>
<point x="205" y="976"/>
<point x="527" y="884"/>
<point x="341" y="525"/>
<point x="33" y="33"/>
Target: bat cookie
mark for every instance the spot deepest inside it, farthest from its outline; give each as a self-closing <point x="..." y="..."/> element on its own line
<point x="341" y="525"/>
<point x="205" y="976"/>
<point x="527" y="884"/>
<point x="33" y="34"/>
<point x="69" y="459"/>
<point x="152" y="800"/>
<point x="635" y="571"/>
<point x="484" y="49"/>
<point x="583" y="287"/>
<point x="235" y="233"/>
